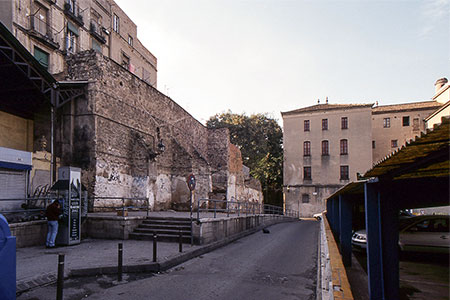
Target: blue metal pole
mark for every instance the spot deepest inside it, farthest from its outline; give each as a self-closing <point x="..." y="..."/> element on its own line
<point x="345" y="224"/>
<point x="374" y="243"/>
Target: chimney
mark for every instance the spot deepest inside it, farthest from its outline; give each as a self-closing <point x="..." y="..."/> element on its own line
<point x="439" y="84"/>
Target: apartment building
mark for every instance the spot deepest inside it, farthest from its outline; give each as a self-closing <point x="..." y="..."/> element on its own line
<point x="53" y="29"/>
<point x="325" y="146"/>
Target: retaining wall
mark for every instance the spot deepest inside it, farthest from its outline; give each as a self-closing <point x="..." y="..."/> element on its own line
<point x="209" y="230"/>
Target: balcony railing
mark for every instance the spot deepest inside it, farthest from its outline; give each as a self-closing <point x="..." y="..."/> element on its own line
<point x="72" y="10"/>
<point x="42" y="31"/>
<point x="96" y="31"/>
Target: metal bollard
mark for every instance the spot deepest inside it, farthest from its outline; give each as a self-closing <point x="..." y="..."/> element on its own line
<point x="180" y="246"/>
<point x="119" y="270"/>
<point x="154" y="246"/>
<point x="60" y="280"/>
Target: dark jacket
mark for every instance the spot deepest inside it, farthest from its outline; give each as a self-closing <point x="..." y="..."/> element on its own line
<point x="53" y="211"/>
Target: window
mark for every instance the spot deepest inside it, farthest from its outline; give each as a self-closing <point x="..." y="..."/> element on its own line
<point x="306" y="173"/>
<point x="394" y="144"/>
<point x="344" y="123"/>
<point x="324" y="124"/>
<point x="305" y="198"/>
<point x="373" y="144"/>
<point x="344" y="147"/>
<point x="307" y="148"/>
<point x="405" y="121"/>
<point x="386" y="122"/>
<point x="116" y="23"/>
<point x="325" y="148"/>
<point x="125" y="61"/>
<point x="71" y="38"/>
<point x="416" y="126"/>
<point x="344" y="172"/>
<point x="39" y="19"/>
<point x="70" y="6"/>
<point x="130" y="40"/>
<point x="306" y="125"/>
<point x="41" y="56"/>
<point x="96" y="46"/>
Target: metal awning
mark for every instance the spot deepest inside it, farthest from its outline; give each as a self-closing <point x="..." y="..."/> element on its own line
<point x="26" y="85"/>
<point x="425" y="157"/>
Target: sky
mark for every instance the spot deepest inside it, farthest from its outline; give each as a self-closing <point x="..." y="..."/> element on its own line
<point x="267" y="56"/>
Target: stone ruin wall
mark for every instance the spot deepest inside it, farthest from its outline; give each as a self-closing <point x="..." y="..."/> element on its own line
<point x="120" y="122"/>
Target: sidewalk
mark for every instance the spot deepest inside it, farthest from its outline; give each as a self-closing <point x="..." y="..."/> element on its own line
<point x="37" y="266"/>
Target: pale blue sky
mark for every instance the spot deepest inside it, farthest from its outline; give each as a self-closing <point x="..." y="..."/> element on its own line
<point x="257" y="56"/>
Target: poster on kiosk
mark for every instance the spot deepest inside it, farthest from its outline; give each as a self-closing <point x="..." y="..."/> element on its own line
<point x="69" y="193"/>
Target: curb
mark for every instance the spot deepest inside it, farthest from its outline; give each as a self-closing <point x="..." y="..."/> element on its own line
<point x="50" y="278"/>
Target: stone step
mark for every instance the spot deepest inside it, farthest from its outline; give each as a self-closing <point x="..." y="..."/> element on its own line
<point x="169" y="218"/>
<point x="161" y="237"/>
<point x="170" y="227"/>
<point x="174" y="232"/>
<point x="166" y="222"/>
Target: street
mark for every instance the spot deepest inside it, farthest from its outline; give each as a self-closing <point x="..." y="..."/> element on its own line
<point x="278" y="265"/>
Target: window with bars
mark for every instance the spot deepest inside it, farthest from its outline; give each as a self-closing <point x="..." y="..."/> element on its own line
<point x="344" y="147"/>
<point x="394" y="143"/>
<point x="307" y="148"/>
<point x="306" y="173"/>
<point x="324" y="124"/>
<point x="344" y="173"/>
<point x="344" y="123"/>
<point x="325" y="148"/>
<point x="306" y="125"/>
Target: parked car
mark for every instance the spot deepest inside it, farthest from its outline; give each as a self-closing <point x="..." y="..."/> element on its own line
<point x="416" y="234"/>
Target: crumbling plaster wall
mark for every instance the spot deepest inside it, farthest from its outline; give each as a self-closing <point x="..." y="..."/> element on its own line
<point x="122" y="120"/>
<point x="126" y="119"/>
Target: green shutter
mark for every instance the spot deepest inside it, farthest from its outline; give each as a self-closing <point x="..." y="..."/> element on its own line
<point x="41" y="56"/>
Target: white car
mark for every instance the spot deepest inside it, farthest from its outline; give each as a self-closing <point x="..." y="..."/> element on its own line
<point x="417" y="234"/>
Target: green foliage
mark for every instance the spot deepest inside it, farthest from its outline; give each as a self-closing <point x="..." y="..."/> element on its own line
<point x="260" y="139"/>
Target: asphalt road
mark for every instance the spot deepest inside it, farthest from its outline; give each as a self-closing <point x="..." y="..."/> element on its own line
<point x="278" y="265"/>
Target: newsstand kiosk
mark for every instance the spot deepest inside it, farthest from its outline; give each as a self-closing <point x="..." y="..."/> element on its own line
<point x="69" y="192"/>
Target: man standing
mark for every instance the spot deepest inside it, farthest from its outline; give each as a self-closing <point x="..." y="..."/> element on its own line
<point x="53" y="211"/>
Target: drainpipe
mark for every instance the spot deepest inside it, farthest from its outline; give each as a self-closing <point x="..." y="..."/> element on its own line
<point x="52" y="134"/>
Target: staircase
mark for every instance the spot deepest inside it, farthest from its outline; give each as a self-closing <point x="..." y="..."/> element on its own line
<point x="167" y="229"/>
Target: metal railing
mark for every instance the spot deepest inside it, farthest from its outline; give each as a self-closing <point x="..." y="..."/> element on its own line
<point x="239" y="208"/>
<point x="120" y="203"/>
<point x="43" y="28"/>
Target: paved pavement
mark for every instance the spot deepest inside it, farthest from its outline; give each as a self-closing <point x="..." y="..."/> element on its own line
<point x="37" y="265"/>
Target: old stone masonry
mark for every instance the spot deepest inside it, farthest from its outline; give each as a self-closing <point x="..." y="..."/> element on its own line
<point x="133" y="141"/>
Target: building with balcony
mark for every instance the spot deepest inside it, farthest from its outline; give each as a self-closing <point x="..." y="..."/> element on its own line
<point x="51" y="30"/>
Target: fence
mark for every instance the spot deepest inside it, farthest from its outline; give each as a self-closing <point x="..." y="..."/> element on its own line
<point x="240" y="208"/>
<point x="119" y="203"/>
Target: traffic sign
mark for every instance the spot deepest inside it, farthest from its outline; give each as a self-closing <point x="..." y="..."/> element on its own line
<point x="190" y="180"/>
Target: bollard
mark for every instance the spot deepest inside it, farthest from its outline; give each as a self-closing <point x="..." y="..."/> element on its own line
<point x="119" y="270"/>
<point x="180" y="246"/>
<point x="60" y="280"/>
<point x="154" y="246"/>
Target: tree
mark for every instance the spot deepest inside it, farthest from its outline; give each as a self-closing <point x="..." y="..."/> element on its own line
<point x="260" y="139"/>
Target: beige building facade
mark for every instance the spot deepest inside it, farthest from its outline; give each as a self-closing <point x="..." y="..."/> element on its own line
<point x="394" y="125"/>
<point x="325" y="146"/>
<point x="442" y="95"/>
<point x="53" y="29"/>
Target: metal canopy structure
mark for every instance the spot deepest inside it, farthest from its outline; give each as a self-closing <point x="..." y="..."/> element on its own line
<point x="417" y="175"/>
<point x="26" y="87"/>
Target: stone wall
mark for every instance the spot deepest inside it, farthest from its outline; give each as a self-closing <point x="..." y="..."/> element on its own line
<point x="113" y="135"/>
